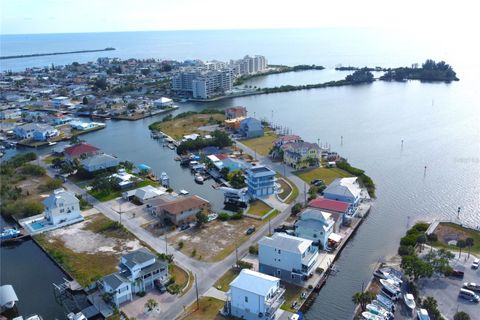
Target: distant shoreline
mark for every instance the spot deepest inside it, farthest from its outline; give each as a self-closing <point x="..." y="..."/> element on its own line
<point x="53" y="53"/>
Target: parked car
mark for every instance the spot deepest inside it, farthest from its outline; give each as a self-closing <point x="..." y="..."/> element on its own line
<point x="159" y="286"/>
<point x="184" y="226"/>
<point x="469" y="295"/>
<point x="475" y="263"/>
<point x="457" y="273"/>
<point x="317" y="182"/>
<point x="471" y="286"/>
<point x="250" y="230"/>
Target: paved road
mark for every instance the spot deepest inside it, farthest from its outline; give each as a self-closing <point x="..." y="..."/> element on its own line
<point x="206" y="273"/>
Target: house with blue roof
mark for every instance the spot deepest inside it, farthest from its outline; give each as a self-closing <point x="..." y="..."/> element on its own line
<point x="251" y="128"/>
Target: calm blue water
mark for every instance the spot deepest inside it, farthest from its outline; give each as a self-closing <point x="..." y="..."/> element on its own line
<point x="439" y="123"/>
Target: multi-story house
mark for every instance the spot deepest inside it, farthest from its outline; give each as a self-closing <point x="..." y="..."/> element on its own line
<point x="301" y="154"/>
<point x="260" y="181"/>
<point x="254" y="295"/>
<point x="80" y="151"/>
<point x="99" y="162"/>
<point x="315" y="225"/>
<point x="344" y="189"/>
<point x="288" y="257"/>
<point x="182" y="210"/>
<point x="139" y="271"/>
<point x="62" y="206"/>
<point x="235" y="112"/>
<point x="35" y="131"/>
<point x="250" y="128"/>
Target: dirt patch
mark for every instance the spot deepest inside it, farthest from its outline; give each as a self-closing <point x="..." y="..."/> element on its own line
<point x="446" y="233"/>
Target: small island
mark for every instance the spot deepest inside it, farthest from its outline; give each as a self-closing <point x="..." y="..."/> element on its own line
<point x="430" y="71"/>
<point x="275" y="69"/>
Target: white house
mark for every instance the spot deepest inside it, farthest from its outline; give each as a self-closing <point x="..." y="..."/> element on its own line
<point x="99" y="162"/>
<point x="139" y="271"/>
<point x="10" y="114"/>
<point x="254" y="295"/>
<point x="163" y="103"/>
<point x="287" y="257"/>
<point x="315" y="225"/>
<point x="62" y="206"/>
<point x="344" y="189"/>
<point x="57" y="102"/>
<point x="143" y="194"/>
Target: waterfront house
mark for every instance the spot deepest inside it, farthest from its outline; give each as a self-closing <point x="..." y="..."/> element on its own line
<point x="254" y="295"/>
<point x="80" y="151"/>
<point x="99" y="162"/>
<point x="251" y="128"/>
<point x="139" y="271"/>
<point x="260" y="181"/>
<point x="35" y="131"/>
<point x="344" y="189"/>
<point x="124" y="179"/>
<point x="301" y="154"/>
<point x="163" y="103"/>
<point x="289" y="138"/>
<point x="288" y="257"/>
<point x="316" y="225"/>
<point x="331" y="206"/>
<point x="143" y="194"/>
<point x="62" y="206"/>
<point x="58" y="102"/>
<point x="182" y="210"/>
<point x="235" y="112"/>
<point x="82" y="126"/>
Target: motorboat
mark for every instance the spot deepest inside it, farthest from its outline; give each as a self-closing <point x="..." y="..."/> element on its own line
<point x="8" y="297"/>
<point x="384" y="302"/>
<point x="52" y="143"/>
<point x="370" y="316"/>
<point x="471" y="286"/>
<point x="422" y="314"/>
<point x="199" y="178"/>
<point x="409" y="301"/>
<point x="9" y="233"/>
<point x="76" y="316"/>
<point x="377" y="310"/>
<point x="390" y="285"/>
<point x="386" y="273"/>
<point x="183" y="192"/>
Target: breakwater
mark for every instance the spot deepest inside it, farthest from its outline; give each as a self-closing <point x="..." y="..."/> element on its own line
<point x="53" y="53"/>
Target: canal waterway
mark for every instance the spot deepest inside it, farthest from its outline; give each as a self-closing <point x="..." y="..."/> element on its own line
<point x="438" y="123"/>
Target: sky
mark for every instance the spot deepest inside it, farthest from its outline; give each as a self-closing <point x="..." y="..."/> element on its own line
<point x="66" y="16"/>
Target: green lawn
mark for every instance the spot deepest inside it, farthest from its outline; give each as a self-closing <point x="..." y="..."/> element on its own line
<point x="112" y="194"/>
<point x="224" y="282"/>
<point x="286" y="189"/>
<point x="326" y="174"/>
<point x="292" y="293"/>
<point x="447" y="228"/>
<point x="259" y="208"/>
<point x="262" y="144"/>
<point x="209" y="309"/>
<point x="177" y="128"/>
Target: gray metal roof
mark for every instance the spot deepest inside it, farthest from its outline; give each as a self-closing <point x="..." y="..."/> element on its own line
<point x="139" y="256"/>
<point x="115" y="280"/>
<point x="286" y="242"/>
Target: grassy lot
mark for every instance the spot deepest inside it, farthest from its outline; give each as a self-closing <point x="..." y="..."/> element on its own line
<point x="262" y="144"/>
<point x="181" y="276"/>
<point x="177" y="128"/>
<point x="259" y="208"/>
<point x="217" y="239"/>
<point x="292" y="293"/>
<point x="446" y="231"/>
<point x="209" y="309"/>
<point x="113" y="194"/>
<point x="286" y="189"/>
<point x="224" y="282"/>
<point x="87" y="266"/>
<point x="326" y="174"/>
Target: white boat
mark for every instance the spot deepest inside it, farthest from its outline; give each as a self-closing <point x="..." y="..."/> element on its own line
<point x="390" y="285"/>
<point x="422" y="314"/>
<point x="76" y="316"/>
<point x="52" y="143"/>
<point x="379" y="311"/>
<point x="199" y="178"/>
<point x="8" y="297"/>
<point x="370" y="316"/>
<point x="183" y="192"/>
<point x="409" y="301"/>
<point x="34" y="317"/>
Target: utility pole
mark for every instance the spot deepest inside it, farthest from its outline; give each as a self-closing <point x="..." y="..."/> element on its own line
<point x="305" y="192"/>
<point x="269" y="227"/>
<point x="196" y="290"/>
<point x="236" y="255"/>
<point x="120" y="211"/>
<point x="166" y="244"/>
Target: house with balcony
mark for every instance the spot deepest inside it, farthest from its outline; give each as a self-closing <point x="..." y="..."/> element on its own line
<point x="260" y="181"/>
<point x="251" y="128"/>
<point x="318" y="226"/>
<point x="99" y="162"/>
<point x="139" y="271"/>
<point x="254" y="295"/>
<point x="301" y="154"/>
<point x="287" y="257"/>
<point x="35" y="131"/>
<point x="61" y="207"/>
<point x="80" y="151"/>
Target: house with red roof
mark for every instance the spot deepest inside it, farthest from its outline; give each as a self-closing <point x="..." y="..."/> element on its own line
<point x="80" y="151"/>
<point x="340" y="210"/>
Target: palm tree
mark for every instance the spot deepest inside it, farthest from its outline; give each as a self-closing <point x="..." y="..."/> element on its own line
<point x="363" y="298"/>
<point x="461" y="244"/>
<point x="151" y="304"/>
<point x="469" y="243"/>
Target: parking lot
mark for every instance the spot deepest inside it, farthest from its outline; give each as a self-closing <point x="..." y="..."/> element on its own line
<point x="446" y="289"/>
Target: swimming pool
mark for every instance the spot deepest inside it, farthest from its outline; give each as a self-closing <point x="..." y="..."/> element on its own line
<point x="37" y="225"/>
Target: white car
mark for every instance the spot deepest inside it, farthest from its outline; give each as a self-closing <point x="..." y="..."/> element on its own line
<point x="475" y="263"/>
<point x="294" y="317"/>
